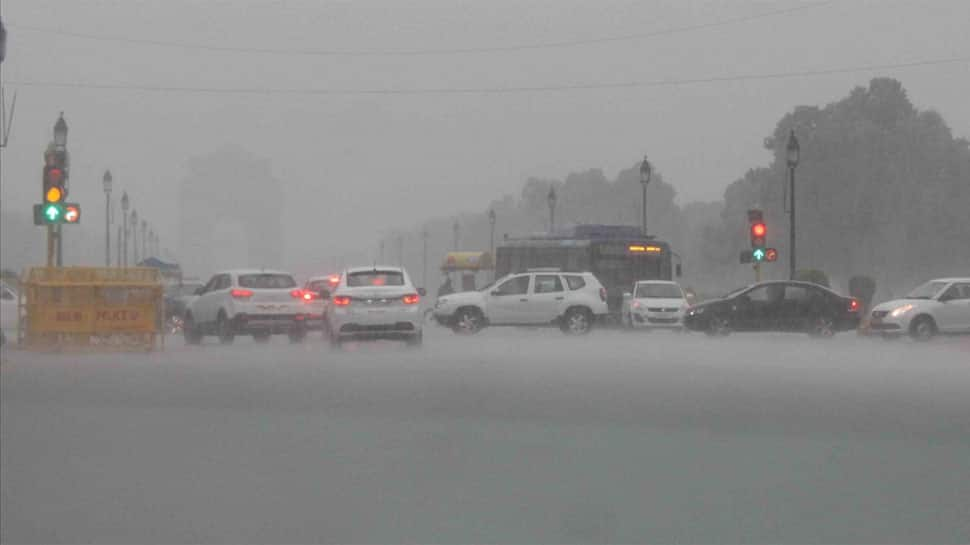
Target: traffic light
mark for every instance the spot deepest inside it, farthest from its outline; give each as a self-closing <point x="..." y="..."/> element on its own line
<point x="771" y="254"/>
<point x="758" y="233"/>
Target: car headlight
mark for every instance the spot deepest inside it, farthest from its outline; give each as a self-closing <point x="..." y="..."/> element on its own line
<point x="899" y="311"/>
<point x="696" y="311"/>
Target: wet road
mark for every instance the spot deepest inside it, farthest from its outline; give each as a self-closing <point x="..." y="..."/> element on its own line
<point x="508" y="436"/>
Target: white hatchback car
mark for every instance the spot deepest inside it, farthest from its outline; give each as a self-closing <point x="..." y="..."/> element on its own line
<point x="654" y="304"/>
<point x="938" y="306"/>
<point x="572" y="301"/>
<point x="375" y="302"/>
<point x="255" y="302"/>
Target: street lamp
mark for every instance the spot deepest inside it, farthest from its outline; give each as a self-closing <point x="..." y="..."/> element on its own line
<point x="124" y="227"/>
<point x="144" y="234"/>
<point x="134" y="234"/>
<point x="106" y="182"/>
<point x="551" y="198"/>
<point x="793" y="153"/>
<point x="645" y="172"/>
<point x="60" y="134"/>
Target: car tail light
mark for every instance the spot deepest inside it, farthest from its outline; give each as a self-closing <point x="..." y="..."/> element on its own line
<point x="636" y="304"/>
<point x="334" y="279"/>
<point x="241" y="294"/>
<point x="341" y="300"/>
<point x="306" y="295"/>
<point x="603" y="294"/>
<point x="853" y="305"/>
<point x="411" y="299"/>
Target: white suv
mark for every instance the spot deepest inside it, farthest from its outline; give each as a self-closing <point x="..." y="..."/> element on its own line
<point x="572" y="301"/>
<point x="938" y="306"/>
<point x="255" y="302"/>
<point x="375" y="303"/>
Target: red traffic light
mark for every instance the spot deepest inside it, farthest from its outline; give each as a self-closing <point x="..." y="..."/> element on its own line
<point x="72" y="213"/>
<point x="771" y="254"/>
<point x="758" y="230"/>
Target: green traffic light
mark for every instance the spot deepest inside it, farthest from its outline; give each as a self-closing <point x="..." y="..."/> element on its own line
<point x="758" y="254"/>
<point x="52" y="213"/>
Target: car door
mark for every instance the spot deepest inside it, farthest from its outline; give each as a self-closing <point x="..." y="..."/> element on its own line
<point x="548" y="296"/>
<point x="508" y="303"/>
<point x="757" y="309"/>
<point x="799" y="308"/>
<point x="953" y="313"/>
<point x="204" y="309"/>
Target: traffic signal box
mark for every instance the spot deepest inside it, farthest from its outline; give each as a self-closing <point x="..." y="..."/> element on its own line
<point x="53" y="210"/>
<point x="758" y="233"/>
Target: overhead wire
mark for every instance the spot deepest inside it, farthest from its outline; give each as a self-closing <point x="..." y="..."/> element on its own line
<point x="489" y="90"/>
<point x="419" y="52"/>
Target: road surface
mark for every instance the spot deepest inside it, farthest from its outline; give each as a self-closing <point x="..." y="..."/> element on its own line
<point x="507" y="436"/>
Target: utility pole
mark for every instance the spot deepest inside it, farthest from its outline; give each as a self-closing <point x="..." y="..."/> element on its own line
<point x="551" y="199"/>
<point x="124" y="228"/>
<point x="424" y="255"/>
<point x="793" y="153"/>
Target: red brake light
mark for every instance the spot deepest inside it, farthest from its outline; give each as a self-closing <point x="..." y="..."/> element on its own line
<point x="341" y="300"/>
<point x="241" y="294"/>
<point x="411" y="299"/>
<point x="636" y="304"/>
<point x="853" y="305"/>
<point x="334" y="279"/>
<point x="306" y="295"/>
<point x="603" y="294"/>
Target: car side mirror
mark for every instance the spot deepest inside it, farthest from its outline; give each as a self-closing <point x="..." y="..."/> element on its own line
<point x="422" y="292"/>
<point x="324" y="294"/>
<point x="680" y="270"/>
<point x="199" y="291"/>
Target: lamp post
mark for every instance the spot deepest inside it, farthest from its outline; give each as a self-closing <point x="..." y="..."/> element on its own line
<point x="134" y="234"/>
<point x="124" y="228"/>
<point x="424" y="257"/>
<point x="60" y="151"/>
<point x="144" y="235"/>
<point x="793" y="152"/>
<point x="106" y="182"/>
<point x="645" y="172"/>
<point x="551" y="199"/>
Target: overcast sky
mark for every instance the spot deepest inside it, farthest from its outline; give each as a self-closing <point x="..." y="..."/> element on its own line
<point x="357" y="164"/>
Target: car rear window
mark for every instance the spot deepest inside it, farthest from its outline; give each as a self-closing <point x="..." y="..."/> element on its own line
<point x="575" y="282"/>
<point x="266" y="281"/>
<point x="662" y="291"/>
<point x="375" y="278"/>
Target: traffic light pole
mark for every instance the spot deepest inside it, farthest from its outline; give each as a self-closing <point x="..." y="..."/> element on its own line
<point x="757" y="272"/>
<point x="791" y="230"/>
<point x="50" y="245"/>
<point x="60" y="246"/>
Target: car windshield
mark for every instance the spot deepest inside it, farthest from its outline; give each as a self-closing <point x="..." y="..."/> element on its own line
<point x="375" y="278"/>
<point x="266" y="281"/>
<point x="659" y="291"/>
<point x="927" y="290"/>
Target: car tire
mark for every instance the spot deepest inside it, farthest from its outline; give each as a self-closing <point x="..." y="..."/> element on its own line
<point x="262" y="337"/>
<point x="823" y="327"/>
<point x="923" y="328"/>
<point x="468" y="321"/>
<point x="717" y="327"/>
<point x="224" y="329"/>
<point x="297" y="335"/>
<point x="577" y="321"/>
<point x="190" y="331"/>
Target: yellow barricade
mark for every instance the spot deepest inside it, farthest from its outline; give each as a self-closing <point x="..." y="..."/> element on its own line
<point x="98" y="308"/>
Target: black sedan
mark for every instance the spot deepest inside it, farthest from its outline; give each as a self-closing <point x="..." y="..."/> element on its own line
<point x="776" y="306"/>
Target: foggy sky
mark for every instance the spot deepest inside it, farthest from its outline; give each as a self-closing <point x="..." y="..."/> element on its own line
<point x="357" y="165"/>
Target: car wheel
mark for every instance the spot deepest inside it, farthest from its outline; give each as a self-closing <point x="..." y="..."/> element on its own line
<point x="468" y="321"/>
<point x="224" y="329"/>
<point x="577" y="322"/>
<point x="261" y="337"/>
<point x="823" y="327"/>
<point x="297" y="335"/>
<point x="718" y="327"/>
<point x="923" y="328"/>
<point x="190" y="331"/>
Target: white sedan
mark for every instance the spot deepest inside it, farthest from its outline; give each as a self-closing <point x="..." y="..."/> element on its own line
<point x="375" y="303"/>
<point x="654" y="304"/>
<point x="938" y="306"/>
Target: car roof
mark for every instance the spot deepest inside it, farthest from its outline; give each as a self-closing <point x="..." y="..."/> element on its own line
<point x="389" y="268"/>
<point x="952" y="279"/>
<point x="324" y="277"/>
<point x="671" y="282"/>
<point x="239" y="272"/>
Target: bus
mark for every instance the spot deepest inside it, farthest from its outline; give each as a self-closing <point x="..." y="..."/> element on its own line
<point x="618" y="255"/>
